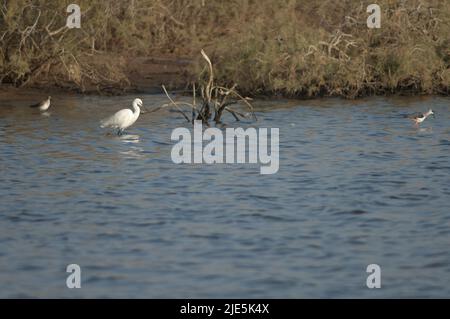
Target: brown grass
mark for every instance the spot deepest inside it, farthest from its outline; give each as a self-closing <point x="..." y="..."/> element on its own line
<point x="293" y="48"/>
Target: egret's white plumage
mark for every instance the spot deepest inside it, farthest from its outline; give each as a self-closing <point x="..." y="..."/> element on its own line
<point x="123" y="118"/>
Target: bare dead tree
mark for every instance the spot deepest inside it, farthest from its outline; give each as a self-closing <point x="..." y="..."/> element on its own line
<point x="215" y="100"/>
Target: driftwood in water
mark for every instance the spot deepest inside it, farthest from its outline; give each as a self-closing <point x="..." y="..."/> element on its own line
<point x="215" y="100"/>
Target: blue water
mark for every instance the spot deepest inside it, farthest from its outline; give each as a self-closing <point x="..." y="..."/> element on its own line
<point x="358" y="184"/>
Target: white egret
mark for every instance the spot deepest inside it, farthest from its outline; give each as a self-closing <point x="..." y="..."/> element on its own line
<point x="42" y="106"/>
<point x="123" y="118"/>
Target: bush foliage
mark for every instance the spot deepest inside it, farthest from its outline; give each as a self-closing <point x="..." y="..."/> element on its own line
<point x="287" y="47"/>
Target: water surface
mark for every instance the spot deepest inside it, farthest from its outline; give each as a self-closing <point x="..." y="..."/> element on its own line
<point x="357" y="185"/>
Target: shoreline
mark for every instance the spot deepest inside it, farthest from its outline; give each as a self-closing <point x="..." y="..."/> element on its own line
<point x="146" y="75"/>
<point x="153" y="89"/>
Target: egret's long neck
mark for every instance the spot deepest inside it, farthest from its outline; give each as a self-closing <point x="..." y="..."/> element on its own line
<point x="427" y="114"/>
<point x="136" y="108"/>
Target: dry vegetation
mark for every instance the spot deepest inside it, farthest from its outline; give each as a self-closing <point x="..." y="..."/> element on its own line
<point x="292" y="48"/>
<point x="215" y="100"/>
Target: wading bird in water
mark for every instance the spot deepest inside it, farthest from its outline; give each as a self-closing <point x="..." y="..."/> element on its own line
<point x="42" y="106"/>
<point x="123" y="118"/>
<point x="418" y="118"/>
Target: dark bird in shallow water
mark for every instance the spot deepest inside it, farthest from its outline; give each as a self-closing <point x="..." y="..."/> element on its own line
<point x="42" y="106"/>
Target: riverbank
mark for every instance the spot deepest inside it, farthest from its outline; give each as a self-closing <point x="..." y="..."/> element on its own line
<point x="144" y="75"/>
<point x="270" y="48"/>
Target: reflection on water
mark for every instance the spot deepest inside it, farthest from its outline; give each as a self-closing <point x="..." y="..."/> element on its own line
<point x="129" y="138"/>
<point x="134" y="152"/>
<point x="425" y="130"/>
<point x="358" y="184"/>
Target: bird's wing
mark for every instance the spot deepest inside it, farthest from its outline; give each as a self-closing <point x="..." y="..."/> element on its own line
<point x="117" y="119"/>
<point x="37" y="104"/>
<point x="415" y="116"/>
